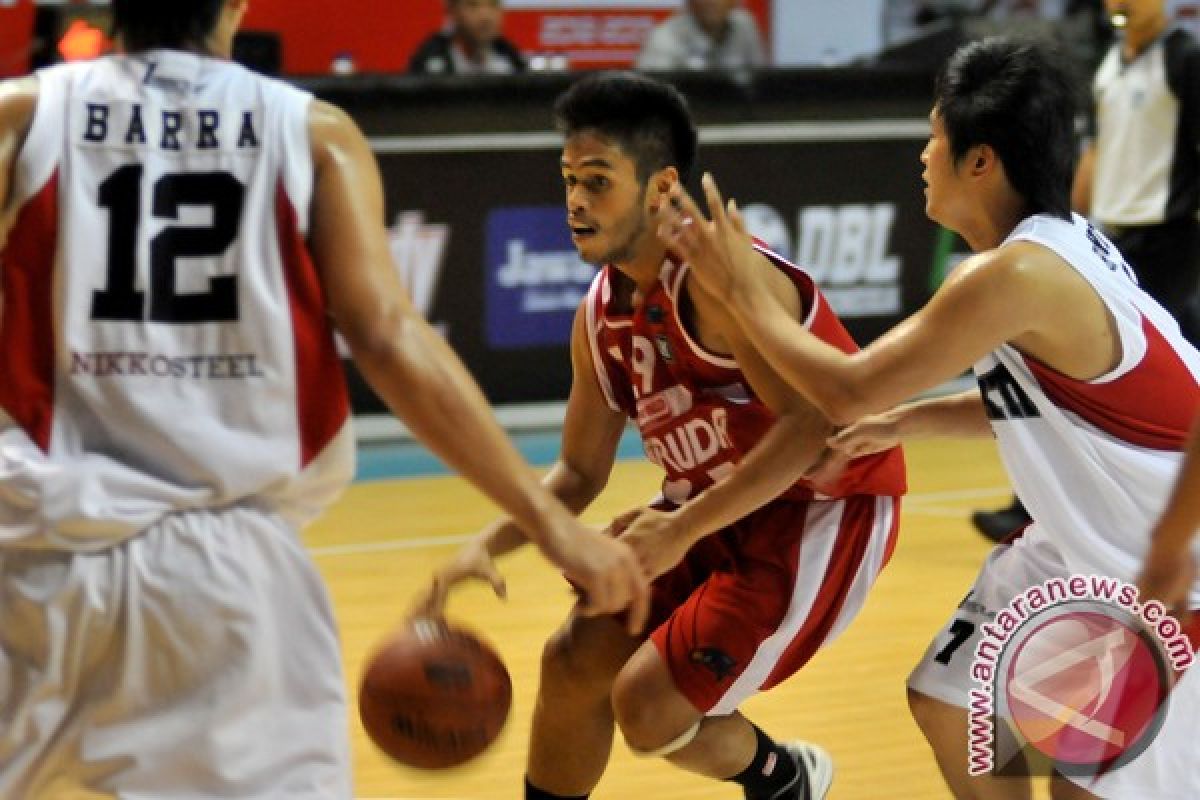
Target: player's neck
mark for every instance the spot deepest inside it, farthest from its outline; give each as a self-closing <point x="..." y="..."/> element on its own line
<point x="643" y="268"/>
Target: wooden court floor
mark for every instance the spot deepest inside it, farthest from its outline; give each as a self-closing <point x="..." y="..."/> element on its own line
<point x="378" y="544"/>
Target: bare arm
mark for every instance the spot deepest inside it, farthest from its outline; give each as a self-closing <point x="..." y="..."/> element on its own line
<point x="417" y="374"/>
<point x="1170" y="569"/>
<point x="960" y="415"/>
<point x="785" y="453"/>
<point x="788" y="450"/>
<point x="18" y="100"/>
<point x="992" y="298"/>
<point x="590" y="435"/>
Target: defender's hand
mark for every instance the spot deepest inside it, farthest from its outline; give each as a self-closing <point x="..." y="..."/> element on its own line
<point x="608" y="577"/>
<point x="472" y="562"/>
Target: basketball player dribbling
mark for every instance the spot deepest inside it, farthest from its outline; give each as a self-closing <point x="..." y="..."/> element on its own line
<point x="176" y="236"/>
<point x="756" y="564"/>
<point x="1084" y="380"/>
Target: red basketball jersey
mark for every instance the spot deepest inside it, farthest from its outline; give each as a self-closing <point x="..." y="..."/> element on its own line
<point x="696" y="411"/>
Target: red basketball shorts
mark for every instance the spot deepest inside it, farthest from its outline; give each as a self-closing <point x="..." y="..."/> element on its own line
<point x="749" y="605"/>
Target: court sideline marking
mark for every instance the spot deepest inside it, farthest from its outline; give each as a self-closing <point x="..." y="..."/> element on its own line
<point x="913" y="504"/>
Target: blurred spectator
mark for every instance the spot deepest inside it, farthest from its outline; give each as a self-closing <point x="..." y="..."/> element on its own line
<point x="470" y="44"/>
<point x="707" y="34"/>
<point x="1140" y="176"/>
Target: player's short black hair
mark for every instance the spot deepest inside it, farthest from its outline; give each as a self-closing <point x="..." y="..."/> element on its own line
<point x="649" y="120"/>
<point x="1018" y="96"/>
<point x="145" y="24"/>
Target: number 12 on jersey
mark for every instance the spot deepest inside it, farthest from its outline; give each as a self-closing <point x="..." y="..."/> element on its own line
<point x="120" y="194"/>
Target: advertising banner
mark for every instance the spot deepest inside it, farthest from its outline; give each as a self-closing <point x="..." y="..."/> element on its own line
<point x="489" y="257"/>
<point x="595" y="34"/>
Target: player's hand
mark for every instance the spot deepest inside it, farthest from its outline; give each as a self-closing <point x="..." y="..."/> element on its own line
<point x="719" y="251"/>
<point x="872" y="434"/>
<point x="608" y="577"/>
<point x="824" y="474"/>
<point x="621" y="522"/>
<point x="1167" y="577"/>
<point x="472" y="562"/>
<point x="657" y="539"/>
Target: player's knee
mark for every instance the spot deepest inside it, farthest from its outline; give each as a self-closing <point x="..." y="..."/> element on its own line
<point x="649" y="723"/>
<point x="636" y="714"/>
<point x="924" y="709"/>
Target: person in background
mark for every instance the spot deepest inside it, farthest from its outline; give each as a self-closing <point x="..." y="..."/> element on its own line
<point x="707" y="34"/>
<point x="1139" y="177"/>
<point x="470" y="44"/>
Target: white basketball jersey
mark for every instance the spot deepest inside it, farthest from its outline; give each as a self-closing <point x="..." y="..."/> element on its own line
<point x="1094" y="461"/>
<point x="164" y="342"/>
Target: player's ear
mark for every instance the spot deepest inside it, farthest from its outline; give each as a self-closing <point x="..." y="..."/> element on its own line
<point x="982" y="157"/>
<point x="661" y="182"/>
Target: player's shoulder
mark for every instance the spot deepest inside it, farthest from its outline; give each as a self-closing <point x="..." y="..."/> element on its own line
<point x="333" y="134"/>
<point x="18" y="99"/>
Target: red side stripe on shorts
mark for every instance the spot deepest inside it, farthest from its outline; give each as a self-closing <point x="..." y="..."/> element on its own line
<point x="27" y="317"/>
<point x="322" y="402"/>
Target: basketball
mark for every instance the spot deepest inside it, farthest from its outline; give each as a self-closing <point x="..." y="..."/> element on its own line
<point x="434" y="696"/>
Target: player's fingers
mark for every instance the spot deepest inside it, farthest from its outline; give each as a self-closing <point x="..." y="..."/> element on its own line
<point x="680" y="235"/>
<point x="712" y="195"/>
<point x="686" y="207"/>
<point x="493" y="577"/>
<point x="433" y="602"/>
<point x="736" y="220"/>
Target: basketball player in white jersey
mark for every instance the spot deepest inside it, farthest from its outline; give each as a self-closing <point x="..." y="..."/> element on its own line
<point x="1085" y="381"/>
<point x="179" y="238"/>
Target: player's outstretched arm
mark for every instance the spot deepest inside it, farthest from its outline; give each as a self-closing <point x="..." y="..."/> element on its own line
<point x="591" y="433"/>
<point x="422" y="380"/>
<point x="960" y="414"/>
<point x="1170" y="568"/>
<point x="990" y="299"/>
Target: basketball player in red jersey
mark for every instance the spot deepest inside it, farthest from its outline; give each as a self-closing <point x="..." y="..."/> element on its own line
<point x="176" y="234"/>
<point x="756" y="566"/>
<point x="1085" y="382"/>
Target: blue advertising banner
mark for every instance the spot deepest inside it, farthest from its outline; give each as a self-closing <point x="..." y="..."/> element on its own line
<point x="535" y="278"/>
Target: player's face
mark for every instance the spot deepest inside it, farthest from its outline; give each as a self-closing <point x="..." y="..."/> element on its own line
<point x="942" y="182"/>
<point x="478" y="20"/>
<point x="606" y="203"/>
<point x="1139" y="14"/>
<point x="711" y="14"/>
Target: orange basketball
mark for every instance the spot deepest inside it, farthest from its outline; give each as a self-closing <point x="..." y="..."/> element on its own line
<point x="434" y="696"/>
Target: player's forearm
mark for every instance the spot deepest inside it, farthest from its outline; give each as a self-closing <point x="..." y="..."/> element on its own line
<point x="958" y="415"/>
<point x="779" y="459"/>
<point x="829" y="378"/>
<point x="1180" y="521"/>
<point x="575" y="490"/>
<point x="425" y="384"/>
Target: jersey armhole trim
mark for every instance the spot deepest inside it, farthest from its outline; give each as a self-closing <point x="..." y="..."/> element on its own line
<point x="592" y="303"/>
